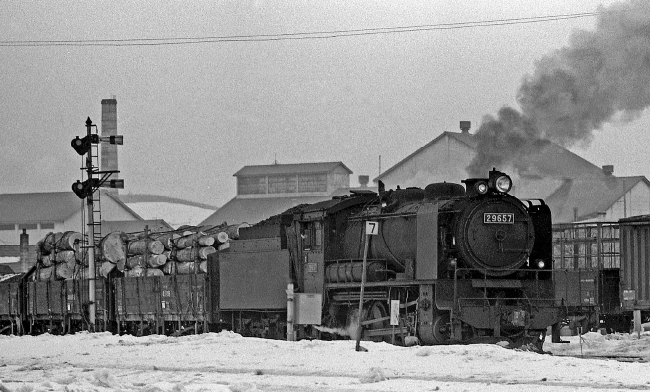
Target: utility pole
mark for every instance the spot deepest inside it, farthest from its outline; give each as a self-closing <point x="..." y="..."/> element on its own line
<point x="86" y="189"/>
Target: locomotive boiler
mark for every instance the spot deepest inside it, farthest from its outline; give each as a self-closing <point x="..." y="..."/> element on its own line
<point x="449" y="263"/>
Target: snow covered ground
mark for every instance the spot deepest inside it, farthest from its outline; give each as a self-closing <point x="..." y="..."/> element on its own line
<point x="227" y="362"/>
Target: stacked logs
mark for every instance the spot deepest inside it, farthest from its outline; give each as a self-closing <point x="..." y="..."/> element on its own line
<point x="58" y="256"/>
<point x="184" y="251"/>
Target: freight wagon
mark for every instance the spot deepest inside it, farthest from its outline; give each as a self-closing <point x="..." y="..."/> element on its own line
<point x="635" y="265"/>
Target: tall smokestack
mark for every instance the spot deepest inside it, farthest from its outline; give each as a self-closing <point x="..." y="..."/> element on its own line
<point x="465" y="126"/>
<point x="24" y="251"/>
<point x="599" y="76"/>
<point x="109" y="128"/>
<point x="364" y="180"/>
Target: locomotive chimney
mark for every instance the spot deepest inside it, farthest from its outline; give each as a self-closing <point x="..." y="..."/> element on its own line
<point x="465" y="126"/>
<point x="364" y="180"/>
<point x="24" y="251"/>
<point x="109" y="151"/>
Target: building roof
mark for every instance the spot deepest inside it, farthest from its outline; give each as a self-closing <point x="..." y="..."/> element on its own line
<point x="551" y="160"/>
<point x="38" y="207"/>
<point x="5" y="269"/>
<point x="590" y="196"/>
<point x="465" y="138"/>
<point x="135" y="226"/>
<point x="253" y="210"/>
<point x="291" y="168"/>
<point x="45" y="207"/>
<point x="14" y="250"/>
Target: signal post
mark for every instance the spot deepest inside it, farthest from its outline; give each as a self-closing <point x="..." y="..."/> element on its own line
<point x="372" y="228"/>
<point x="85" y="190"/>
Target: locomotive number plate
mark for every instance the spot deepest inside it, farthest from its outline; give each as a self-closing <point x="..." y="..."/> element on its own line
<point x="507" y="218"/>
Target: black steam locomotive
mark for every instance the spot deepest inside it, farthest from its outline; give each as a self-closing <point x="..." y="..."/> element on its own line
<point x="447" y="263"/>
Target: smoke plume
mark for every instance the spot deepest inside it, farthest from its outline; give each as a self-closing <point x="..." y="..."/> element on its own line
<point x="574" y="90"/>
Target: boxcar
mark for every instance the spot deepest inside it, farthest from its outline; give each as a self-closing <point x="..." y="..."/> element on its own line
<point x="587" y="275"/>
<point x="635" y="265"/>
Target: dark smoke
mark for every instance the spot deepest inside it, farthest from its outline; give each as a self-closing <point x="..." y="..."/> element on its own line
<point x="575" y="90"/>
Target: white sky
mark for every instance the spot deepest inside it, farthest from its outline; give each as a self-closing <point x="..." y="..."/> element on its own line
<point x="192" y="115"/>
<point x="226" y="362"/>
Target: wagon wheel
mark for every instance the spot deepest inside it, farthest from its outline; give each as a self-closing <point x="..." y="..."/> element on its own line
<point x="377" y="310"/>
<point x="442" y="328"/>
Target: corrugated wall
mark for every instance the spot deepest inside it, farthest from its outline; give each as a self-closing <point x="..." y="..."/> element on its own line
<point x="635" y="260"/>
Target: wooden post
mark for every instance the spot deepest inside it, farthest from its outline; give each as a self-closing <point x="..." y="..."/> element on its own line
<point x="290" y="296"/>
<point x="363" y="286"/>
<point x="637" y="323"/>
<point x="372" y="228"/>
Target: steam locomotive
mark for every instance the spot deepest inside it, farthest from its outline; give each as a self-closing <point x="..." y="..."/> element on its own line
<point x="448" y="264"/>
<point x="444" y="264"/>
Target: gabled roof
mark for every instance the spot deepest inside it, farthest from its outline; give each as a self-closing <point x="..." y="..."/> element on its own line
<point x="45" y="207"/>
<point x="135" y="226"/>
<point x="38" y="207"/>
<point x="253" y="210"/>
<point x="291" y="168"/>
<point x="590" y="195"/>
<point x="465" y="138"/>
<point x="5" y="269"/>
<point x="551" y="160"/>
<point x="116" y="198"/>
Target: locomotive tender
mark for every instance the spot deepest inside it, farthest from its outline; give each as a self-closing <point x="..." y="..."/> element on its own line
<point x="450" y="263"/>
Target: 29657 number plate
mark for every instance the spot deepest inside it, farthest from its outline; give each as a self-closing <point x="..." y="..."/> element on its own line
<point x="499" y="217"/>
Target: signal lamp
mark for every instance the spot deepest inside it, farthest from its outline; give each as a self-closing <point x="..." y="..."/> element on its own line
<point x="540" y="264"/>
<point x="82" y="189"/>
<point x="481" y="187"/>
<point x="81" y="145"/>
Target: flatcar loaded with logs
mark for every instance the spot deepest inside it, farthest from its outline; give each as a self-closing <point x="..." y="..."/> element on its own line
<point x="447" y="263"/>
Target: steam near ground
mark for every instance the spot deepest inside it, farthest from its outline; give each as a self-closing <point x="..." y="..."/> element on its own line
<point x="228" y="362"/>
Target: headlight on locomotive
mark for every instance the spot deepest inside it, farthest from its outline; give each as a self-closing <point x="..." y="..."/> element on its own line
<point x="500" y="182"/>
<point x="504" y="184"/>
<point x="481" y="187"/>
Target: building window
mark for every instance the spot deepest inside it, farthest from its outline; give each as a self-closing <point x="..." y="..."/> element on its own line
<point x="312" y="183"/>
<point x="29" y="226"/>
<point x="251" y="185"/>
<point x="8" y="227"/>
<point x="282" y="184"/>
<point x="47" y="226"/>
